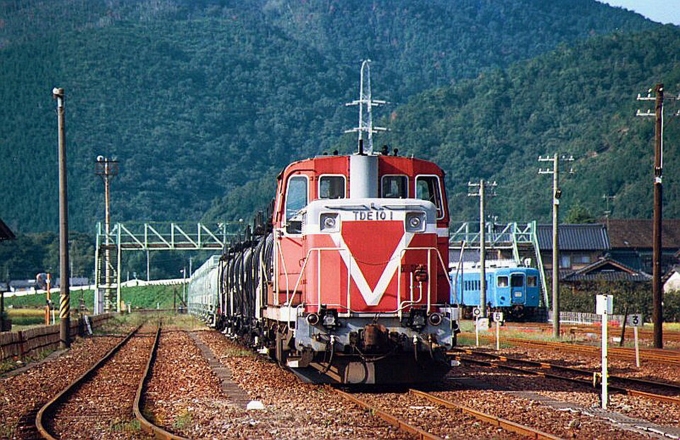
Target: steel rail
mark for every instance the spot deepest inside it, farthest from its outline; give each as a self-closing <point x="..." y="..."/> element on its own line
<point x="664" y="355"/>
<point x="66" y="392"/>
<point x="667" y="356"/>
<point x="146" y="425"/>
<point x="545" y="365"/>
<point x="389" y="418"/>
<point x="500" y="422"/>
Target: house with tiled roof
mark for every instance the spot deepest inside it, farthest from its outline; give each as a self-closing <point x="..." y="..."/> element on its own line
<point x="631" y="243"/>
<point x="587" y="253"/>
<point x="606" y="269"/>
<point x="580" y="245"/>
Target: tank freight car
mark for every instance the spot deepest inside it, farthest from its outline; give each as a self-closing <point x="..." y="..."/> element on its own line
<point x="350" y="276"/>
<point x="203" y="291"/>
<point x="512" y="289"/>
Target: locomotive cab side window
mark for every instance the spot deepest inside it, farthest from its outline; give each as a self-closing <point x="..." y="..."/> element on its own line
<point x="394" y="187"/>
<point x="427" y="188"/>
<point x="296" y="199"/>
<point x="332" y="187"/>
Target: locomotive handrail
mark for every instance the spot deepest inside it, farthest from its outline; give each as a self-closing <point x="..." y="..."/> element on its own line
<point x="399" y="306"/>
<point x="441" y="261"/>
<point x="285" y="271"/>
<point x="405" y="207"/>
<point x="402" y="305"/>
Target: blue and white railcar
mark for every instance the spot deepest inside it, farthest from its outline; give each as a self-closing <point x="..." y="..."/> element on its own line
<point x="512" y="289"/>
<point x="203" y="298"/>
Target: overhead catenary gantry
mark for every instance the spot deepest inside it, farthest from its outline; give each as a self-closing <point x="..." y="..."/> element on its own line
<point x="156" y="236"/>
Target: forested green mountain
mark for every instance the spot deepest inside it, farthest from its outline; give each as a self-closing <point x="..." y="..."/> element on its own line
<point x="578" y="101"/>
<point x="202" y="102"/>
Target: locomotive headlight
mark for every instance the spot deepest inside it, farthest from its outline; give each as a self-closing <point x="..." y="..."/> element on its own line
<point x="328" y="222"/>
<point x="435" y="319"/>
<point x="313" y="319"/>
<point x="415" y="222"/>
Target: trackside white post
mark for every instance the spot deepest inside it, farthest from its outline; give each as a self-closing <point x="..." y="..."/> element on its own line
<point x="477" y="331"/>
<point x="637" y="347"/>
<point x="498" y="335"/>
<point x="498" y="317"/>
<point x="636" y="321"/>
<point x="604" y="361"/>
<point x="604" y="306"/>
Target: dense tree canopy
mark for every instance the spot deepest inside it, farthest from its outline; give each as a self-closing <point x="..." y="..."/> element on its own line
<point x="204" y="102"/>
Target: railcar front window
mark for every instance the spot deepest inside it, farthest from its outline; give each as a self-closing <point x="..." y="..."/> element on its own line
<point x="296" y="196"/>
<point x="532" y="281"/>
<point x="394" y="187"/>
<point x="517" y="281"/>
<point x="503" y="281"/>
<point x="332" y="187"/>
<point x="427" y="188"/>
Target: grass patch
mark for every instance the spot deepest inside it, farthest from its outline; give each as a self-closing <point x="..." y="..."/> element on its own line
<point x="132" y="425"/>
<point x="139" y="297"/>
<point x="183" y="420"/>
<point x="237" y="351"/>
<point x="672" y="326"/>
<point x="12" y="364"/>
<point x="26" y="318"/>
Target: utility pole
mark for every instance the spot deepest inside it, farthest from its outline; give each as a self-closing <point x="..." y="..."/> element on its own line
<point x="107" y="169"/>
<point x="64" y="288"/>
<point x="557" y="193"/>
<point x="366" y="117"/>
<point x="657" y="286"/>
<point x="608" y="212"/>
<point x="482" y="239"/>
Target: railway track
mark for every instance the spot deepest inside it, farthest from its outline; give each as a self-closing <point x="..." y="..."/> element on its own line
<point x="584" y="329"/>
<point x="632" y="386"/>
<point x="646" y="354"/>
<point x="102" y="401"/>
<point x="456" y="409"/>
<point x="426" y="416"/>
<point x="651" y="355"/>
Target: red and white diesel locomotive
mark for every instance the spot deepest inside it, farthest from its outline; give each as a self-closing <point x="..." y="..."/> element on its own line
<point x="350" y="276"/>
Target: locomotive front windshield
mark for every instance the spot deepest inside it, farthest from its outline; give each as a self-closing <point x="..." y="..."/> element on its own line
<point x="296" y="199"/>
<point x="394" y="187"/>
<point x="332" y="187"/>
<point x="427" y="188"/>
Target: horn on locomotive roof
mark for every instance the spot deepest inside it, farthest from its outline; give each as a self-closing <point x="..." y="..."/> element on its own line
<point x="365" y="127"/>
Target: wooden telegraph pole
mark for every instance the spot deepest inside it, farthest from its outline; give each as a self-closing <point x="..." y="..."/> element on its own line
<point x="657" y="286"/>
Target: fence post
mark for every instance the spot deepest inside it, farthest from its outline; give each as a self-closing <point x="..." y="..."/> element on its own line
<point x="22" y="342"/>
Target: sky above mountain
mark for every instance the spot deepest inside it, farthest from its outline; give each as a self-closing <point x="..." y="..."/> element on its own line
<point x="662" y="11"/>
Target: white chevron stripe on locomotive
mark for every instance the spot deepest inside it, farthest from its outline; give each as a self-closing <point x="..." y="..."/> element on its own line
<point x="372" y="296"/>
